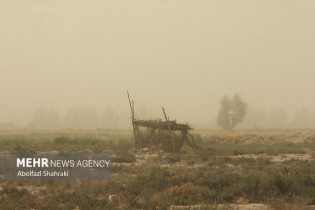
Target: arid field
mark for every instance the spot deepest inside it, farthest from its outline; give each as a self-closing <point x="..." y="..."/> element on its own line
<point x="254" y="169"/>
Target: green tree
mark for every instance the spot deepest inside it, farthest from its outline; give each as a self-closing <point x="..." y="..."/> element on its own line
<point x="232" y="111"/>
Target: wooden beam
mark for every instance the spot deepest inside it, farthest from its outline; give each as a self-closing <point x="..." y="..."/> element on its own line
<point x="132" y="117"/>
<point x="172" y="135"/>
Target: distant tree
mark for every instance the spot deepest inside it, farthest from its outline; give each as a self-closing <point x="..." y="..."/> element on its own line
<point x="46" y="119"/>
<point x="302" y="118"/>
<point x="109" y="119"/>
<point x="278" y="118"/>
<point x="256" y="118"/>
<point x="232" y="111"/>
<point x="81" y="118"/>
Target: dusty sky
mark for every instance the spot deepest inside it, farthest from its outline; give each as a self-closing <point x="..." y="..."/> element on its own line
<point x="181" y="54"/>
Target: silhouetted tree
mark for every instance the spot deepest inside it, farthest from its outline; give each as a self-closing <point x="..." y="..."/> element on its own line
<point x="232" y="111"/>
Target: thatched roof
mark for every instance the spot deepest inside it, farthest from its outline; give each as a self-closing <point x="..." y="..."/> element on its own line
<point x="162" y="125"/>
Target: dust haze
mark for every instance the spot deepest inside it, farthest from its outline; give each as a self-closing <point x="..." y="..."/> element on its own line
<point x="69" y="64"/>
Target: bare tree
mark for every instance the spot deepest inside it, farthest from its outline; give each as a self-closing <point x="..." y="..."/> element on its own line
<point x="232" y="111"/>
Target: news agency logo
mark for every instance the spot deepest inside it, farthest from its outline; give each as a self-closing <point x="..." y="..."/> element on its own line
<point x="44" y="162"/>
<point x="32" y="162"/>
<point x="61" y="165"/>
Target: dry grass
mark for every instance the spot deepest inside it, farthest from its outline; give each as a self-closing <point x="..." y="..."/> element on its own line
<point x="224" y="172"/>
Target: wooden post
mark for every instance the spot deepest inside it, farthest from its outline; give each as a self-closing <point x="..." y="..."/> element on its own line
<point x="172" y="135"/>
<point x="132" y="106"/>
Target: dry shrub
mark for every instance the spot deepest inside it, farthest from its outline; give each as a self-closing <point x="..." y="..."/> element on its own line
<point x="242" y="200"/>
<point x="160" y="200"/>
<point x="187" y="190"/>
<point x="185" y="194"/>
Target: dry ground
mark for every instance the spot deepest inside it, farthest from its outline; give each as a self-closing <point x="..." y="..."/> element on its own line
<point x="238" y="170"/>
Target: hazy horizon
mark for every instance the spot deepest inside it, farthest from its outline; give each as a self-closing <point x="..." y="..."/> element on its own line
<point x="183" y="55"/>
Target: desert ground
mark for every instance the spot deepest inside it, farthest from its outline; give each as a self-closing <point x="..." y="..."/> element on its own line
<point x="252" y="169"/>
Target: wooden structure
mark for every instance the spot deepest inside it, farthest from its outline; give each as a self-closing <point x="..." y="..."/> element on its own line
<point x="157" y="134"/>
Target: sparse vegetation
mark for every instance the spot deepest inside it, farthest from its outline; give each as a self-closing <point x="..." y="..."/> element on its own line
<point x="68" y="141"/>
<point x="233" y="168"/>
